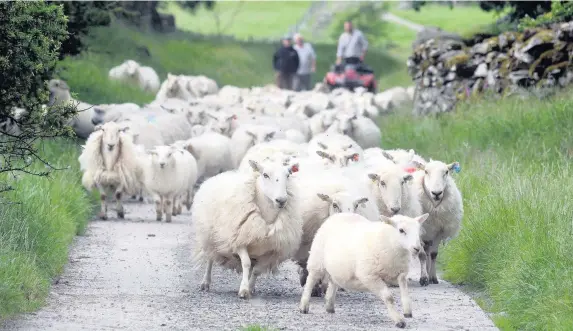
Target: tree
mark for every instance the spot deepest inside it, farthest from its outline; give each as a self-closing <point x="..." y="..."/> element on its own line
<point x="32" y="33"/>
<point x="368" y="18"/>
<point x="193" y="5"/>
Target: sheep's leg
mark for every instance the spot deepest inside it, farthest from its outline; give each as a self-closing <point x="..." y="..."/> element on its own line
<point x="159" y="208"/>
<point x="312" y="279"/>
<point x="176" y="205"/>
<point x="330" y="296"/>
<point x="424" y="280"/>
<point x="188" y="199"/>
<point x="207" y="277"/>
<point x="405" y="295"/>
<point x="119" y="205"/>
<point x="253" y="274"/>
<point x="433" y="258"/>
<point x="379" y="287"/>
<point x="103" y="212"/>
<point x="244" y="292"/>
<point x="427" y="245"/>
<point x="168" y="209"/>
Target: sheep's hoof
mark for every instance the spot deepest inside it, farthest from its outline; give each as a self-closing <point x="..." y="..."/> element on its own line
<point x="408" y="315"/>
<point x="342" y="290"/>
<point x="205" y="287"/>
<point x="140" y="199"/>
<point x="304" y="309"/>
<point x="121" y="214"/>
<point x="244" y="294"/>
<point x="434" y="280"/>
<point x="102" y="216"/>
<point x="424" y="281"/>
<point x="168" y="219"/>
<point x="330" y="310"/>
<point x="188" y="206"/>
<point x="134" y="197"/>
<point x="401" y="324"/>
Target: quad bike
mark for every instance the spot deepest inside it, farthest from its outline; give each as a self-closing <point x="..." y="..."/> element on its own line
<point x="350" y="76"/>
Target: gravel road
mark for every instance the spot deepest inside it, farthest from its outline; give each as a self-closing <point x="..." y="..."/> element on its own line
<point x="135" y="274"/>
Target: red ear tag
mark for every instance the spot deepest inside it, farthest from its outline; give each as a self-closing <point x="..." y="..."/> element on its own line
<point x="355" y="157"/>
<point x="410" y="170"/>
<point x="294" y="168"/>
<point x="234" y="117"/>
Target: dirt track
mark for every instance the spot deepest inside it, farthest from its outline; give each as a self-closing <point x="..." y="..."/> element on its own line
<point x="135" y="275"/>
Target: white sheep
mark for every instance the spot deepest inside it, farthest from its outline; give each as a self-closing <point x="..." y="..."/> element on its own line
<point x="130" y="71"/>
<point x="174" y="86"/>
<point x="374" y="254"/>
<point x="111" y="164"/>
<point x="404" y="158"/>
<point x="339" y="150"/>
<point x="212" y="152"/>
<point x="362" y="129"/>
<point x="247" y="222"/>
<point x="114" y="112"/>
<point x="247" y="136"/>
<point x="170" y="174"/>
<point x="441" y="198"/>
<point x="278" y="150"/>
<point x="320" y="122"/>
<point x="81" y="123"/>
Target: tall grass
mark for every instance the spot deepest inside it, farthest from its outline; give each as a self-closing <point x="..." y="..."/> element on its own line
<point x="38" y="221"/>
<point x="516" y="179"/>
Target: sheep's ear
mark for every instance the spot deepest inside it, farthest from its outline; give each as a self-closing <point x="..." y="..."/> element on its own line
<point x="255" y="165"/>
<point x="325" y="155"/>
<point x="408" y="177"/>
<point x="418" y="165"/>
<point x="411" y="152"/>
<point x="293" y="168"/>
<point x="254" y="136"/>
<point x="422" y="218"/>
<point x="321" y="145"/>
<point x="124" y="129"/>
<point x="360" y="201"/>
<point x="202" y="114"/>
<point x="354" y="157"/>
<point x="374" y="177"/>
<point x="212" y="116"/>
<point x="232" y="117"/>
<point x="347" y="147"/>
<point x="354" y="117"/>
<point x="270" y="135"/>
<point x="386" y="220"/>
<point x="324" y="197"/>
<point x="388" y="156"/>
<point x="455" y="167"/>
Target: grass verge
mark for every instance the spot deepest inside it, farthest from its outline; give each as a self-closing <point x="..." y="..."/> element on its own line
<point x="37" y="229"/>
<point x="516" y="176"/>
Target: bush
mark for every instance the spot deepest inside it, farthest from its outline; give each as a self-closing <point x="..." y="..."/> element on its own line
<point x="515" y="241"/>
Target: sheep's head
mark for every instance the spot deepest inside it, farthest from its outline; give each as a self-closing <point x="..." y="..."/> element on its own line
<point x="261" y="135"/>
<point x="400" y="156"/>
<point x="341" y="159"/>
<point x="222" y="122"/>
<point x="173" y="84"/>
<point x="273" y="180"/>
<point x="437" y="176"/>
<point x="162" y="156"/>
<point x="344" y="124"/>
<point x="111" y="132"/>
<point x="408" y="230"/>
<point x="343" y="202"/>
<point x="59" y="92"/>
<point x="196" y="115"/>
<point x="131" y="67"/>
<point x="390" y="180"/>
<point x="328" y="118"/>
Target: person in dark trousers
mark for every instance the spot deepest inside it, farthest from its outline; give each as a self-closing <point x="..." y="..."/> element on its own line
<point x="286" y="62"/>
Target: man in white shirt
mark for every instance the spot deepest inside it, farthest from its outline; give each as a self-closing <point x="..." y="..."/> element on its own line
<point x="352" y="46"/>
<point x="307" y="63"/>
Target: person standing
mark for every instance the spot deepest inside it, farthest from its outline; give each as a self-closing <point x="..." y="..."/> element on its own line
<point x="286" y="62"/>
<point x="352" y="46"/>
<point x="307" y="63"/>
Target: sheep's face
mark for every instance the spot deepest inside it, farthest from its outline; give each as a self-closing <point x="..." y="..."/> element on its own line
<point x="390" y="182"/>
<point x="436" y="177"/>
<point x="344" y="124"/>
<point x="162" y="156"/>
<point x="340" y="159"/>
<point x="221" y="122"/>
<point x="102" y="114"/>
<point x="328" y="118"/>
<point x="343" y="202"/>
<point x="59" y="91"/>
<point x="196" y="116"/>
<point x="131" y="67"/>
<point x="408" y="230"/>
<point x="273" y="180"/>
<point x="111" y="134"/>
<point x="261" y="135"/>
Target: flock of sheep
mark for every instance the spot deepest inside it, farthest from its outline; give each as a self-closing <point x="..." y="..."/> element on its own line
<point x="271" y="175"/>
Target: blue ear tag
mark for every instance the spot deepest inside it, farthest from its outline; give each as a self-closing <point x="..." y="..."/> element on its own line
<point x="151" y="118"/>
<point x="457" y="167"/>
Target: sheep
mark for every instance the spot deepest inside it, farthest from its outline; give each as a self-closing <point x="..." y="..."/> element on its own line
<point x="145" y="77"/>
<point x="362" y="129"/>
<point x="212" y="152"/>
<point x="170" y="173"/>
<point x="10" y="125"/>
<point x="112" y="164"/>
<point x="321" y="121"/>
<point x="440" y="197"/>
<point x="174" y="87"/>
<point x="81" y="123"/>
<point x="404" y="158"/>
<point x="375" y="254"/>
<point x="275" y="150"/>
<point x="223" y="122"/>
<point x="283" y="122"/>
<point x="335" y="148"/>
<point x="253" y="216"/>
<point x="113" y="112"/>
<point x="250" y="135"/>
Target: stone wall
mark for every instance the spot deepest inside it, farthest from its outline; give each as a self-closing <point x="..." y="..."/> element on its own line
<point x="446" y="70"/>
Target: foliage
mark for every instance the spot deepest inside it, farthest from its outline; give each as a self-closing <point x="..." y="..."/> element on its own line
<point x="516" y="233"/>
<point x="33" y="33"/>
<point x="193" y="5"/>
<point x="81" y="16"/>
<point x="520" y="9"/>
<point x="560" y="12"/>
<point x="366" y="18"/>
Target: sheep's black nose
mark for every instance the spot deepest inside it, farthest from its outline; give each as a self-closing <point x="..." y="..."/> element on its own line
<point x="395" y="210"/>
<point x="162" y="164"/>
<point x="281" y="201"/>
<point x="345" y="132"/>
<point x="110" y="146"/>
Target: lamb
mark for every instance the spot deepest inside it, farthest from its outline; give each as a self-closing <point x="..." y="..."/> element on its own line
<point x="250" y="135"/>
<point x="81" y="123"/>
<point x="360" y="128"/>
<point x="374" y="254"/>
<point x="170" y="173"/>
<point x="112" y="164"/>
<point x="145" y="77"/>
<point x="247" y="222"/>
<point x="441" y="198"/>
<point x="212" y="152"/>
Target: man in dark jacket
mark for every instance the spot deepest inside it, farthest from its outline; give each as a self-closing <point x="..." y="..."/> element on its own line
<point x="285" y="62"/>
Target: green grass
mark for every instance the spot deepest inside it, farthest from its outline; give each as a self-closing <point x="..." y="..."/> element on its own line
<point x="242" y="19"/>
<point x="516" y="239"/>
<point x="36" y="232"/>
<point x="242" y="64"/>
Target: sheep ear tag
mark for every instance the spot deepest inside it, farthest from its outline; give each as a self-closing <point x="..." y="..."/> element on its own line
<point x="234" y="117"/>
<point x="457" y="167"/>
<point x="150" y="118"/>
<point x="355" y="157"/>
<point x="294" y="168"/>
<point x="410" y="169"/>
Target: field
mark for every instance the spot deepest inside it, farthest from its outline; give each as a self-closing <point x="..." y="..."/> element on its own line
<point x="515" y="157"/>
